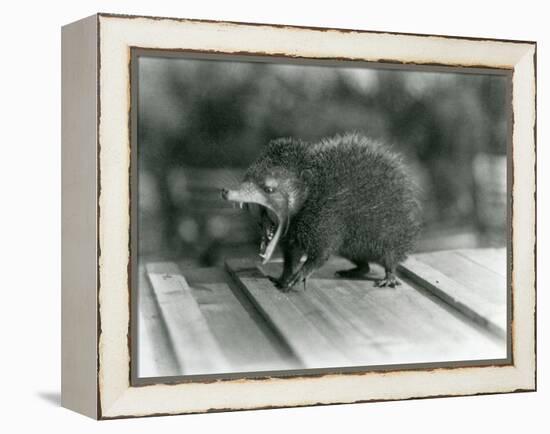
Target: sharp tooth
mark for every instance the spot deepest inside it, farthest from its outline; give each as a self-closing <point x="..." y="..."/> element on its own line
<point x="262" y="255"/>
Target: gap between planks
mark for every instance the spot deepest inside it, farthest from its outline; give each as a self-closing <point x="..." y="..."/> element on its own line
<point x="456" y="295"/>
<point x="311" y="347"/>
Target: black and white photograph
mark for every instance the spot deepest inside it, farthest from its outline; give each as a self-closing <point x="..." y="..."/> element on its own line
<point x="294" y="216"/>
<point x="275" y="218"/>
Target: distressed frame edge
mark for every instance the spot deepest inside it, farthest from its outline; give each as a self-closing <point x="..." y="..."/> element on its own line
<point x="527" y="384"/>
<point x="304" y="27"/>
<point x="79" y="181"/>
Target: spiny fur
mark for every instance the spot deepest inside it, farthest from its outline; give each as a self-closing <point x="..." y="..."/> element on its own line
<point x="356" y="198"/>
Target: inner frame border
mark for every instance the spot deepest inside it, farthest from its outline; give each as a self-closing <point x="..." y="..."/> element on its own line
<point x="138" y="52"/>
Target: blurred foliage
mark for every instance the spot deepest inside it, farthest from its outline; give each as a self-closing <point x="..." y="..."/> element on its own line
<point x="201" y="122"/>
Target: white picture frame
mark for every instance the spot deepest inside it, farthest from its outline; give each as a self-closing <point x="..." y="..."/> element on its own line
<point x="96" y="296"/>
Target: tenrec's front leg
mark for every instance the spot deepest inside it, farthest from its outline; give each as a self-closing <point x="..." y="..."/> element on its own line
<point x="303" y="272"/>
<point x="292" y="255"/>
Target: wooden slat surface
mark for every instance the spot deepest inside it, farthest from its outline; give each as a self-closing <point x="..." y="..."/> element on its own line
<point x="197" y="350"/>
<point x="335" y="322"/>
<point x="247" y="342"/>
<point x="291" y="323"/>
<point x="492" y="259"/>
<point x="155" y="356"/>
<point x="473" y="283"/>
<point x="366" y="324"/>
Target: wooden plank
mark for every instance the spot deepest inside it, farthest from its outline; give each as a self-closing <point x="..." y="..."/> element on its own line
<point x="338" y="323"/>
<point x="156" y="356"/>
<point x="492" y="259"/>
<point x="310" y="346"/>
<point x="488" y="285"/>
<point x="195" y="347"/>
<point x="380" y="326"/>
<point x="347" y="322"/>
<point x="249" y="344"/>
<point x="468" y="301"/>
<point x="407" y="325"/>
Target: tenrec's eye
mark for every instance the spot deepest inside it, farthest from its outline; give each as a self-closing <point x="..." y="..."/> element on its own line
<point x="268" y="189"/>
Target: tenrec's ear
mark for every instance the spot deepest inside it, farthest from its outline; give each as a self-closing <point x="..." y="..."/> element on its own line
<point x="306" y="175"/>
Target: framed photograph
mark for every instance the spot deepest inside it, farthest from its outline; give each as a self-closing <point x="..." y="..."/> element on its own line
<point x="262" y="216"/>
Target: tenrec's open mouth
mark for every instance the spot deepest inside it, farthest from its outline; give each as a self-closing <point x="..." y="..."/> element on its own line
<point x="273" y="223"/>
<point x="268" y="224"/>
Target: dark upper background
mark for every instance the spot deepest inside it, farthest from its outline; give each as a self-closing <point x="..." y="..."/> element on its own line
<point x="202" y="122"/>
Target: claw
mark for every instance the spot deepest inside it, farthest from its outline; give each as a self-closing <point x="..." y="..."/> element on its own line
<point x="392" y="282"/>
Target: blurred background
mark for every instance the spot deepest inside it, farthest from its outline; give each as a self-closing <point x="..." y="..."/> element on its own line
<point x="202" y="122"/>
